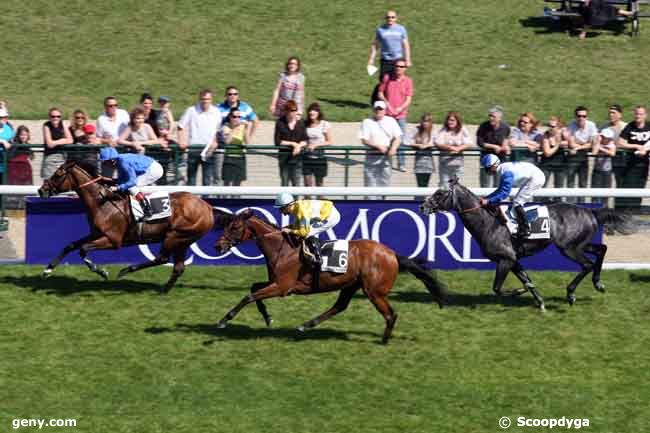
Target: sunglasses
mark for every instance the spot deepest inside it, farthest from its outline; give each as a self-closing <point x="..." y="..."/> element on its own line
<point x="235" y="117"/>
<point x="233" y="94"/>
<point x="79" y="117"/>
<point x="379" y="109"/>
<point x="400" y="66"/>
<point x="391" y="17"/>
<point x="525" y="122"/>
<point x="293" y="111"/>
<point x="54" y="116"/>
<point x="581" y="116"/>
<point x="112" y="105"/>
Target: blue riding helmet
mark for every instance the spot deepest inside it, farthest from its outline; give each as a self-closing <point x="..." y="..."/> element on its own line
<point x="488" y="160"/>
<point x="283" y="199"/>
<point x="107" y="154"/>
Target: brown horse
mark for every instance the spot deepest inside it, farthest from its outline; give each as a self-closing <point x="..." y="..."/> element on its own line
<point x="113" y="226"/>
<point x="373" y="267"/>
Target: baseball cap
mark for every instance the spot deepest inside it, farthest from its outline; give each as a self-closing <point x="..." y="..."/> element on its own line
<point x="89" y="128"/>
<point x="164" y="99"/>
<point x="379" y="104"/>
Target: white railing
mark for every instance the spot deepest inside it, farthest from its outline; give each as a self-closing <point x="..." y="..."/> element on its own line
<point x="270" y="191"/>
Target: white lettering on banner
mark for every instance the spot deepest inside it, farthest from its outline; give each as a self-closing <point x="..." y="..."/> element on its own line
<point x="431" y="252"/>
<point x="361" y="221"/>
<point x="422" y="231"/>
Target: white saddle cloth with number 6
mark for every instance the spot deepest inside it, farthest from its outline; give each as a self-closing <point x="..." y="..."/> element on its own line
<point x="335" y="256"/>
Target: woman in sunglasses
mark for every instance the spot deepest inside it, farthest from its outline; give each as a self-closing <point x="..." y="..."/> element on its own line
<point x="55" y="136"/>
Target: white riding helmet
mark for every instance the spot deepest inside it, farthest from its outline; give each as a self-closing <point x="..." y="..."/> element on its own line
<point x="489" y="159"/>
<point x="283" y="199"/>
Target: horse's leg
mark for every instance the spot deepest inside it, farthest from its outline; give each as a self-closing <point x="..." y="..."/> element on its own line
<point x="270" y="291"/>
<point x="503" y="267"/>
<point x="160" y="259"/>
<point x="177" y="271"/>
<point x="102" y="243"/>
<point x="67" y="250"/>
<point x="578" y="256"/>
<point x="519" y="271"/>
<point x="260" y="305"/>
<point x="384" y="308"/>
<point x="339" y="306"/>
<point x="599" y="250"/>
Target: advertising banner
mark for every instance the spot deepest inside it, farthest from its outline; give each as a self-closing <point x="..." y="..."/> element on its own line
<point x="440" y="238"/>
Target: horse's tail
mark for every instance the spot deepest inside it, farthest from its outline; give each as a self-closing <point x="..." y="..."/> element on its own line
<point x="436" y="287"/>
<point x="616" y="221"/>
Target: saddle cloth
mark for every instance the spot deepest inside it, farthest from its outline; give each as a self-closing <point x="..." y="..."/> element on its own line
<point x="160" y="207"/>
<point x="335" y="256"/>
<point x="537" y="215"/>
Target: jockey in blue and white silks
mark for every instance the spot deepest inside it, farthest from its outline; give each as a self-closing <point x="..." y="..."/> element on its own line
<point x="134" y="171"/>
<point x="524" y="175"/>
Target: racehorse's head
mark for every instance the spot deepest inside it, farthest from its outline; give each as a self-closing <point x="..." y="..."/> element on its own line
<point x="441" y="200"/>
<point x="235" y="230"/>
<point x="60" y="181"/>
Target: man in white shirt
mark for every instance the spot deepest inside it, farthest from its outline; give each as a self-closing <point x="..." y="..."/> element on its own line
<point x="110" y="125"/>
<point x="196" y="129"/>
<point x="583" y="134"/>
<point x="382" y="135"/>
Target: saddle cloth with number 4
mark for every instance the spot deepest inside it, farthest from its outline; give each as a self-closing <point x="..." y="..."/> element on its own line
<point x="537" y="215"/>
<point x="160" y="206"/>
<point x="335" y="256"/>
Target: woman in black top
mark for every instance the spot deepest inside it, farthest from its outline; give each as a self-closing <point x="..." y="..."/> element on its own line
<point x="55" y="136"/>
<point x="291" y="137"/>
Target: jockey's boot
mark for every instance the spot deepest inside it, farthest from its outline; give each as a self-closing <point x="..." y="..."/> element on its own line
<point x="314" y="246"/>
<point x="144" y="204"/>
<point x="523" y="227"/>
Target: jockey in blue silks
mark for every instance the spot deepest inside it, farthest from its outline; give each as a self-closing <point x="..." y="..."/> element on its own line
<point x="524" y="175"/>
<point x="134" y="171"/>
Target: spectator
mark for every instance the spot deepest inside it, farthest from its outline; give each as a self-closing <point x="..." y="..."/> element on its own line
<point x="526" y="139"/>
<point x="392" y="42"/>
<point x="138" y="134"/>
<point x="233" y="135"/>
<point x="616" y="124"/>
<point x="6" y="135"/>
<point x="604" y="149"/>
<point x="55" y="136"/>
<point x="110" y="125"/>
<point x="422" y="140"/>
<point x="165" y="155"/>
<point x="492" y="137"/>
<point x="19" y="166"/>
<point x="452" y="140"/>
<point x="165" y="118"/>
<point x="634" y="140"/>
<point x="396" y="90"/>
<point x="196" y="129"/>
<point x="247" y="114"/>
<point x="597" y="13"/>
<point x="314" y="165"/>
<point x="290" y="87"/>
<point x="83" y="133"/>
<point x="382" y="135"/>
<point x="582" y="136"/>
<point x="554" y="147"/>
<point x="150" y="115"/>
<point x="291" y="136"/>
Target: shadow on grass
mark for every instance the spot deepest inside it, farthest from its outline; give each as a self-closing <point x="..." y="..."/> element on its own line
<point x="61" y="285"/>
<point x="547" y="25"/>
<point x="236" y="331"/>
<point x="636" y="278"/>
<point x="345" y="103"/>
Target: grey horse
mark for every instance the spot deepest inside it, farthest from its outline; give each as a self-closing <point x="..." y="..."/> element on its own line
<point x="571" y="228"/>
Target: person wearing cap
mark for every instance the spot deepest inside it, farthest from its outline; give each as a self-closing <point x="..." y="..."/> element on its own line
<point x="492" y="138"/>
<point x="310" y="218"/>
<point x="523" y="175"/>
<point x="382" y="135"/>
<point x="248" y="116"/>
<point x="604" y="149"/>
<point x="134" y="171"/>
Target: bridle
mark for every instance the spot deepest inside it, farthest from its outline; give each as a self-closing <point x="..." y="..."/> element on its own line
<point x="454" y="203"/>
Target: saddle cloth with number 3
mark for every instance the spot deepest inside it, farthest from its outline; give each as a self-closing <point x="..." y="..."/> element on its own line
<point x="160" y="206"/>
<point x="335" y="256"/>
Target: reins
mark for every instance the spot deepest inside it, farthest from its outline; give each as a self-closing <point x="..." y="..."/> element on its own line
<point x="91" y="181"/>
<point x="472" y="209"/>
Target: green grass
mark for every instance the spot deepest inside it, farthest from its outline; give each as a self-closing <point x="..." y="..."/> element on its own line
<point x="120" y="358"/>
<point x="73" y="54"/>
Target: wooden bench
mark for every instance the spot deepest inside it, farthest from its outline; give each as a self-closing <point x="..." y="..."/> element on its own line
<point x="569" y="10"/>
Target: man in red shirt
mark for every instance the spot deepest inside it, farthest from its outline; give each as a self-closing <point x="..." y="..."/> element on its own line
<point x="396" y="90"/>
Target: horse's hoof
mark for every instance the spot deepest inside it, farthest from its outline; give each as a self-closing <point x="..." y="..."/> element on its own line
<point x="600" y="287"/>
<point x="221" y="324"/>
<point x="163" y="291"/>
<point x="103" y="273"/>
<point x="301" y="328"/>
<point x="571" y="299"/>
<point x="47" y="272"/>
<point x="269" y="322"/>
<point x="542" y="308"/>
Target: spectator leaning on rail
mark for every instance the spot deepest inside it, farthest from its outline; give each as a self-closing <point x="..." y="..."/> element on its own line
<point x="635" y="141"/>
<point x="314" y="163"/>
<point x="6" y="135"/>
<point x="524" y="175"/>
<point x="422" y="140"/>
<point x="291" y="136"/>
<point x="175" y="171"/>
<point x="616" y="124"/>
<point x="248" y="115"/>
<point x="604" y="149"/>
<point x="492" y="137"/>
<point x="110" y="124"/>
<point x="139" y="134"/>
<point x="55" y="136"/>
<point x="452" y="140"/>
<point x="134" y="171"/>
<point x="83" y="133"/>
<point x="554" y="147"/>
<point x="525" y="139"/>
<point x="391" y="39"/>
<point x="583" y="133"/>
<point x="310" y="218"/>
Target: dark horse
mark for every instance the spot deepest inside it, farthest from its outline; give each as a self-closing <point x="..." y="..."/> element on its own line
<point x="113" y="226"/>
<point x="571" y="228"/>
<point x="373" y="267"/>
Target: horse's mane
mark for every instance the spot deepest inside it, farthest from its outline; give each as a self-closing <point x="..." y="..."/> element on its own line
<point x="88" y="166"/>
<point x="268" y="223"/>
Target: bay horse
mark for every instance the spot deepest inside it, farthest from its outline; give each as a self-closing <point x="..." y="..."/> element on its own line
<point x="113" y="226"/>
<point x="571" y="230"/>
<point x="371" y="266"/>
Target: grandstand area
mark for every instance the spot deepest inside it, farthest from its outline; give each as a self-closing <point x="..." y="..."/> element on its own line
<point x="116" y="356"/>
